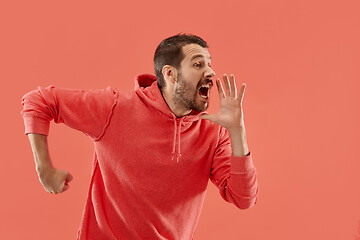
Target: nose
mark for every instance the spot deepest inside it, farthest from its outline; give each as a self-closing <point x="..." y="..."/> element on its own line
<point x="209" y="73"/>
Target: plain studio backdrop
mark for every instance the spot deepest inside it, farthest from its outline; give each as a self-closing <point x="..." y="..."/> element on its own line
<point x="299" y="60"/>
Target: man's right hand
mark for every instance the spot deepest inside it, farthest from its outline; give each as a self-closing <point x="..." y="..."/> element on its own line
<point x="54" y="180"/>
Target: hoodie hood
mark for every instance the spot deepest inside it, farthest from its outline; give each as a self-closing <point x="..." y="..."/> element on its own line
<point x="147" y="89"/>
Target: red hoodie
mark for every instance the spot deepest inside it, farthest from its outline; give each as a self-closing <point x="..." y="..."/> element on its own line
<point x="151" y="169"/>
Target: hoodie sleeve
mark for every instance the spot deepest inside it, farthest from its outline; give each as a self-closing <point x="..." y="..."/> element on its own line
<point x="234" y="176"/>
<point x="88" y="111"/>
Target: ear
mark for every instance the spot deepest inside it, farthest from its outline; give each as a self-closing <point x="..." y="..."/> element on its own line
<point x="169" y="73"/>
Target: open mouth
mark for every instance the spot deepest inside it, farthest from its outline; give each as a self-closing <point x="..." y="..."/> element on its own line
<point x="204" y="91"/>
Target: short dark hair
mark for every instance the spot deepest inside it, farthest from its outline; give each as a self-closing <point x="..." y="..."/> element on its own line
<point x="169" y="52"/>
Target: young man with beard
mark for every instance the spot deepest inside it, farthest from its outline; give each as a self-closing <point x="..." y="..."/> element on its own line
<point x="156" y="147"/>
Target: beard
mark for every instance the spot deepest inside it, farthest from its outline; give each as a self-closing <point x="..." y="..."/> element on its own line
<point x="186" y="96"/>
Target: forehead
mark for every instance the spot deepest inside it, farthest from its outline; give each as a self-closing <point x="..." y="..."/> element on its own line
<point x="192" y="50"/>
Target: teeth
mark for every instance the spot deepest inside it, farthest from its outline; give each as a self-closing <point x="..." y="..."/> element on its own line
<point x="203" y="96"/>
<point x="207" y="95"/>
<point x="208" y="86"/>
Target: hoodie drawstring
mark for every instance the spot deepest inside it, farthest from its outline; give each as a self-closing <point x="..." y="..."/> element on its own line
<point x="177" y="132"/>
<point x="147" y="89"/>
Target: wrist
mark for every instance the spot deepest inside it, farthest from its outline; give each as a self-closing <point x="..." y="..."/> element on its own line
<point x="236" y="130"/>
<point x="43" y="167"/>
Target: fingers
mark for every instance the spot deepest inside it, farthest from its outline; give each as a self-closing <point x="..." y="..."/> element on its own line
<point x="242" y="90"/>
<point x="233" y="89"/>
<point x="220" y="89"/>
<point x="227" y="85"/>
<point x="63" y="188"/>
<point x="60" y="182"/>
<point x="68" y="179"/>
<point x="52" y="191"/>
<point x="230" y="86"/>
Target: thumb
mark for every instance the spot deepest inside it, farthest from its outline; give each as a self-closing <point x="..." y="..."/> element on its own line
<point x="207" y="116"/>
<point x="203" y="116"/>
<point x="69" y="177"/>
<point x="66" y="187"/>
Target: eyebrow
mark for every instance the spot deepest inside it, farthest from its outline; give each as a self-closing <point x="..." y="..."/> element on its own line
<point x="198" y="55"/>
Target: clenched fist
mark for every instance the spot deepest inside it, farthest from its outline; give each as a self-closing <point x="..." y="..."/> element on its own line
<point x="54" y="180"/>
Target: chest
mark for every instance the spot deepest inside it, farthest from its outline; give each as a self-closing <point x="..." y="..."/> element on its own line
<point x="139" y="145"/>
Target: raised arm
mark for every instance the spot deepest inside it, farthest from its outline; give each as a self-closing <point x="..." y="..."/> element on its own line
<point x="53" y="180"/>
<point x="235" y="177"/>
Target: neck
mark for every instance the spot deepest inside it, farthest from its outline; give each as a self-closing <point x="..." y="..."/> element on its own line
<point x="176" y="109"/>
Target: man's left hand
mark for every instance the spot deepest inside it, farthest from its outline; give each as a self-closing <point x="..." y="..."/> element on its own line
<point x="230" y="114"/>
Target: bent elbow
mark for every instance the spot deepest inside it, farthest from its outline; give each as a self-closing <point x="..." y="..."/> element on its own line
<point x="247" y="204"/>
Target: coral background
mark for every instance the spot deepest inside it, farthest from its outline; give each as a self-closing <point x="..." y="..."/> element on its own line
<point x="300" y="62"/>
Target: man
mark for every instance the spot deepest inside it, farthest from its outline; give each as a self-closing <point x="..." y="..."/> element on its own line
<point x="155" y="147"/>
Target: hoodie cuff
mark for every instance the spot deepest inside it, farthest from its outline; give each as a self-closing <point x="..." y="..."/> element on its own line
<point x="240" y="165"/>
<point x="36" y="125"/>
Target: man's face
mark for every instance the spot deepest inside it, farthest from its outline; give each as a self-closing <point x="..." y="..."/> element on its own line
<point x="194" y="82"/>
